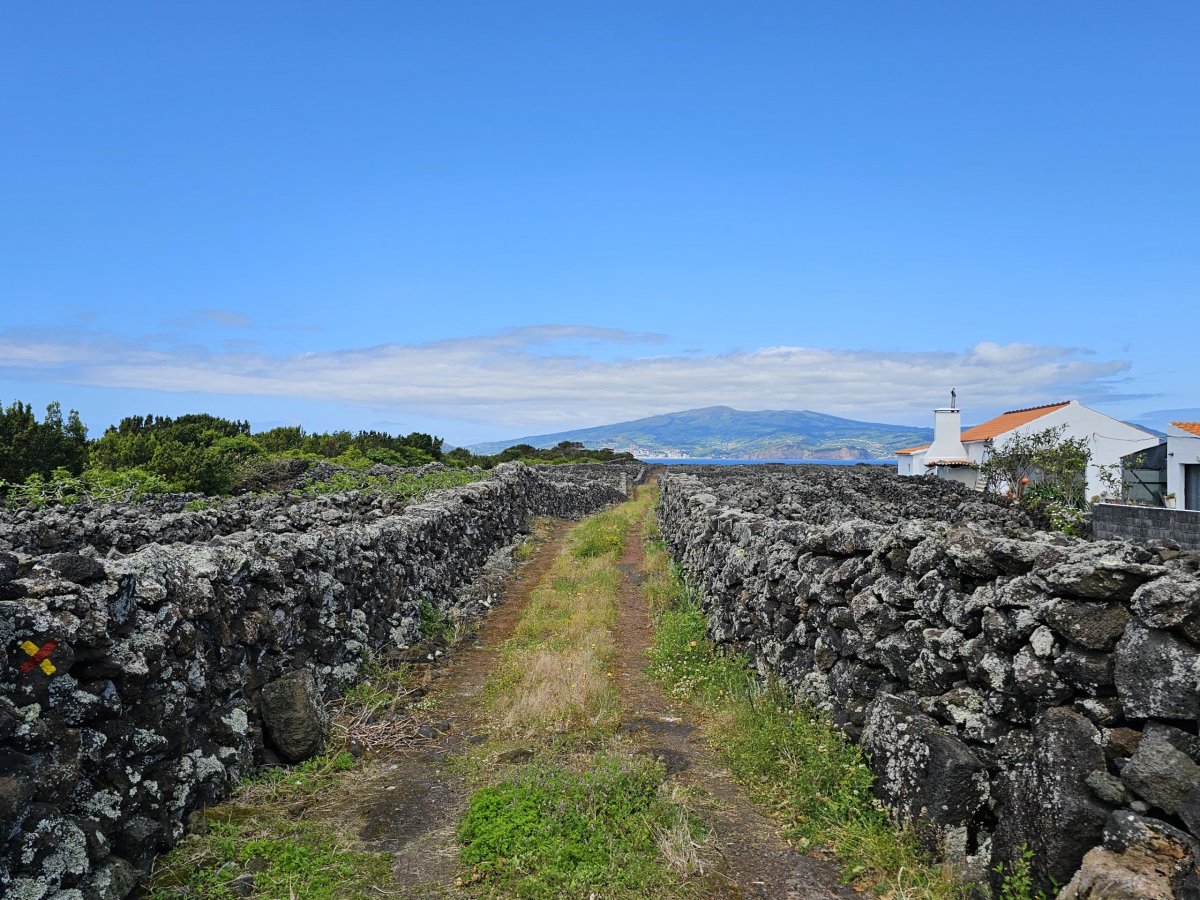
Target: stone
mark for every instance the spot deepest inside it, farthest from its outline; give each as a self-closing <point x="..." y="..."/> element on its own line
<point x="139" y="840"/>
<point x="75" y="568"/>
<point x="293" y="716"/>
<point x="116" y="879"/>
<point x="1108" y="788"/>
<point x="1189" y="810"/>
<point x="1140" y="858"/>
<point x="932" y="779"/>
<point x="1166" y="602"/>
<point x="964" y="707"/>
<point x="1100" y="574"/>
<point x="16" y="795"/>
<point x="1159" y="772"/>
<point x="1157" y="674"/>
<point x="9" y="567"/>
<point x="1086" y="669"/>
<point x="1042" y="641"/>
<point x="1096" y="626"/>
<point x="1120" y="741"/>
<point x="1046" y="802"/>
<point x="1101" y="710"/>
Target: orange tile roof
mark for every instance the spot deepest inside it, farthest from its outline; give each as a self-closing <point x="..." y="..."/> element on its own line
<point x="1193" y="427"/>
<point x="1006" y="422"/>
<point x="907" y="450"/>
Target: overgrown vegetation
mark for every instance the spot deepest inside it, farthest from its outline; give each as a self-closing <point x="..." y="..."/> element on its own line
<point x="404" y="485"/>
<point x="29" y="447"/>
<point x="1043" y="470"/>
<point x="790" y="758"/>
<point x="436" y="625"/>
<point x="552" y="831"/>
<point x="52" y="461"/>
<point x="562" y="453"/>
<point x="257" y="844"/>
<point x="271" y="857"/>
<point x="585" y="816"/>
<point x="1016" y="878"/>
<point x="553" y="671"/>
<point x="286" y="832"/>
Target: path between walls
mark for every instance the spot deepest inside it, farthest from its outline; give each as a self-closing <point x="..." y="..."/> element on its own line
<point x="750" y="858"/>
<point x="414" y="802"/>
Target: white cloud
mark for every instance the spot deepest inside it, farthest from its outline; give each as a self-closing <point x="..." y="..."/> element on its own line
<point x="523" y="377"/>
<point x="223" y="318"/>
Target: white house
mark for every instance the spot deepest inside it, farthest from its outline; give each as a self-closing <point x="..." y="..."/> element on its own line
<point x="1183" y="464"/>
<point x="1107" y="438"/>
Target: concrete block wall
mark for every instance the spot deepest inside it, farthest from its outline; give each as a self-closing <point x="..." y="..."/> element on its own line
<point x="1111" y="521"/>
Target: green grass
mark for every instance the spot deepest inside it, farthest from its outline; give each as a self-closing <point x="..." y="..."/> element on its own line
<point x="550" y="831"/>
<point x="552" y="676"/>
<point x="292" y="783"/>
<point x="259" y="839"/>
<point x="579" y="815"/>
<point x="202" y="504"/>
<point x="381" y="687"/>
<point x="601" y="535"/>
<point x="279" y="858"/>
<point x="790" y="758"/>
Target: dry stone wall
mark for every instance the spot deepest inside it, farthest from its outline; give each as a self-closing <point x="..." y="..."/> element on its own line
<point x="1010" y="686"/>
<point x="144" y="649"/>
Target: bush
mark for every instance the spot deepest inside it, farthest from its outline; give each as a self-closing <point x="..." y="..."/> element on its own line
<point x="29" y="447"/>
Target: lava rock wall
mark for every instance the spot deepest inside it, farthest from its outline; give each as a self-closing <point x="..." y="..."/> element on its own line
<point x="1010" y="686"/>
<point x="138" y="651"/>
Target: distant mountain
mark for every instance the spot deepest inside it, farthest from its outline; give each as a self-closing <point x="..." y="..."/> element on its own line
<point x="720" y="432"/>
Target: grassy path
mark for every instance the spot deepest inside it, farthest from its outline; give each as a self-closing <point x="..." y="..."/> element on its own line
<point x="745" y="855"/>
<point x="557" y="766"/>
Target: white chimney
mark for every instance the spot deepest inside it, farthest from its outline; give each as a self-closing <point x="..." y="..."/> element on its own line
<point x="947" y="446"/>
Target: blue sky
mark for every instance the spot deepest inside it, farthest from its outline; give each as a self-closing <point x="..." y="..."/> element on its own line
<point x="493" y="219"/>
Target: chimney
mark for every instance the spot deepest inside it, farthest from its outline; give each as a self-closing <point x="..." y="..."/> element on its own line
<point x="947" y="446"/>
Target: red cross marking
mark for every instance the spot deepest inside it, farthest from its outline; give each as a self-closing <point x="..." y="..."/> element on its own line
<point x="45" y="651"/>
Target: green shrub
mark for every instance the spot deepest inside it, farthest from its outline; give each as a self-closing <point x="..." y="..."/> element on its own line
<point x="436" y="624"/>
<point x="406" y="485"/>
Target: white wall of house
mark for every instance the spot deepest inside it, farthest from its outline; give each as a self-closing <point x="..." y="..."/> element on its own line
<point x="967" y="475"/>
<point x="976" y="452"/>
<point x="1183" y="449"/>
<point x="911" y="463"/>
<point x="1107" y="438"/>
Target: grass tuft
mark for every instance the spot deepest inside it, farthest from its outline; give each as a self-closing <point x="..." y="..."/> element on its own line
<point x="269" y="857"/>
<point x="550" y="831"/>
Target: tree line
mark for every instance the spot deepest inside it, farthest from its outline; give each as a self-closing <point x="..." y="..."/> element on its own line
<point x="210" y="454"/>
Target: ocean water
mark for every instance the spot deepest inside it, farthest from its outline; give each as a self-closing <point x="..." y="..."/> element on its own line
<point x="759" y="462"/>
